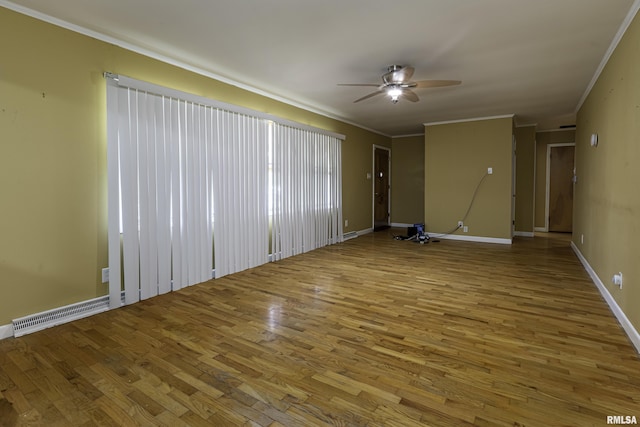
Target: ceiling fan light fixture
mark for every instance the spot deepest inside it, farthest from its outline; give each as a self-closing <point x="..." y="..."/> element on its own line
<point x="394" y="92"/>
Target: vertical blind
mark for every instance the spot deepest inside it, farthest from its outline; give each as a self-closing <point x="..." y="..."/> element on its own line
<point x="160" y="182"/>
<point x="307" y="194"/>
<point x="196" y="184"/>
<point x="240" y="187"/>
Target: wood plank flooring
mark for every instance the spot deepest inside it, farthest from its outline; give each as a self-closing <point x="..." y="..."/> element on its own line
<point x="371" y="332"/>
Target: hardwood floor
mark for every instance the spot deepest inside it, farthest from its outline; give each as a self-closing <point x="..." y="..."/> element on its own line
<point x="371" y="332"/>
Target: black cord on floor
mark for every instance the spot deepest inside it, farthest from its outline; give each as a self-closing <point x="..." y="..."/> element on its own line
<point x="466" y="214"/>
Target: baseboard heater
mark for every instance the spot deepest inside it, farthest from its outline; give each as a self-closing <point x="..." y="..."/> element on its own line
<point x="349" y="235"/>
<point x="58" y="316"/>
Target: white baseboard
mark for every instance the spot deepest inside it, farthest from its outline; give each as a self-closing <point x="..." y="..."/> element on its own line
<point x="479" y="239"/>
<point x="6" y="331"/>
<point x="632" y="333"/>
<point x="365" y="231"/>
<point x="524" y="233"/>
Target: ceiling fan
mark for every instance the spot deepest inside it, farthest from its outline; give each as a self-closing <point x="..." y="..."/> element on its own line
<point x="396" y="83"/>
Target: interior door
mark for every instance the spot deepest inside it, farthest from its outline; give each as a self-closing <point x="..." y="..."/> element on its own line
<point x="561" y="170"/>
<point x="381" y="189"/>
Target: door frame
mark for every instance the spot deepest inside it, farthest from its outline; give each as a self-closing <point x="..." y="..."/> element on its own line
<point x="548" y="183"/>
<point x="373" y="184"/>
<point x="514" y="147"/>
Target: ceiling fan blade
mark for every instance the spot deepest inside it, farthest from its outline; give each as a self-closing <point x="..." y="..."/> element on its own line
<point x="409" y="95"/>
<point x="436" y="83"/>
<point x="400" y="75"/>
<point x="378" y="92"/>
<point x="359" y="84"/>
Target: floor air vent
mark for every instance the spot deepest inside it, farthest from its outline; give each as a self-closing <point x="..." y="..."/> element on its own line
<point x="47" y="319"/>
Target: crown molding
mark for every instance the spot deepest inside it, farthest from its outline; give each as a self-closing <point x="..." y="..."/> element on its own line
<point x="476" y="119"/>
<point x="612" y="47"/>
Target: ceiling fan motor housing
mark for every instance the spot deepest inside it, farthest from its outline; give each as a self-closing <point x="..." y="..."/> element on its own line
<point x="396" y="83"/>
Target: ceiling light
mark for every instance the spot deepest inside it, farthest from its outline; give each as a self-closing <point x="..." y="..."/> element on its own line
<point x="394" y="92"/>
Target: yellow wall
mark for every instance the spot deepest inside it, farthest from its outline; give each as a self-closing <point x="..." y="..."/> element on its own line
<point x="525" y="177"/>
<point x="457" y="156"/>
<point x="607" y="198"/>
<point x="543" y="139"/>
<point x="53" y="223"/>
<point x="407" y="180"/>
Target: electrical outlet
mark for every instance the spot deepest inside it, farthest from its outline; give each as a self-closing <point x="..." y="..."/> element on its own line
<point x="490" y="171"/>
<point x="346" y="222"/>
<point x="617" y="280"/>
<point x="465" y="229"/>
<point x="460" y="224"/>
<point x="105" y="275"/>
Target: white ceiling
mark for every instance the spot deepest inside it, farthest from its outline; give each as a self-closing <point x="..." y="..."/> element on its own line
<point x="531" y="58"/>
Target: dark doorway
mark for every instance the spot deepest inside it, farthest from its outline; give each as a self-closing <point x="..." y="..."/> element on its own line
<point x="381" y="189"/>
